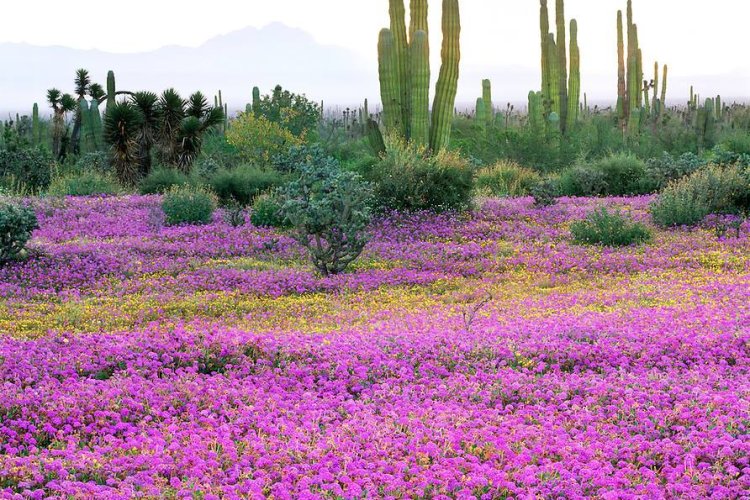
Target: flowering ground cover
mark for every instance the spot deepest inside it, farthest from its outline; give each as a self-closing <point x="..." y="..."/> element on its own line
<point x="474" y="356"/>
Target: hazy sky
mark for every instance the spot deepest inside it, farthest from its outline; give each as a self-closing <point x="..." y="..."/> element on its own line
<point x="693" y="37"/>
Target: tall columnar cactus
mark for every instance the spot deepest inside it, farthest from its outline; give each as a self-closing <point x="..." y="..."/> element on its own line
<point x="447" y="84"/>
<point x="401" y="53"/>
<point x="404" y="73"/>
<point x="544" y="30"/>
<point x="256" y="101"/>
<point x="390" y="84"/>
<point x="480" y="112"/>
<point x="554" y="74"/>
<point x="111" y="90"/>
<point x="574" y="87"/>
<point x="555" y="59"/>
<point x="489" y="110"/>
<point x="622" y="107"/>
<point x="419" y="53"/>
<point x="36" y="127"/>
<point x="665" y="73"/>
<point x="97" y="128"/>
<point x="639" y="72"/>
<point x="88" y="142"/>
<point x="719" y="108"/>
<point x="562" y="61"/>
<point x="536" y="113"/>
<point x="655" y="104"/>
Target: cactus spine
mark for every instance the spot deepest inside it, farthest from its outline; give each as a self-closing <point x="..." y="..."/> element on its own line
<point x="404" y="71"/>
<point x="574" y="87"/>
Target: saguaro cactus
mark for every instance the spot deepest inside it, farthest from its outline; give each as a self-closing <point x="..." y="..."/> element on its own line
<point x="447" y="84"/>
<point x="36" y="128"/>
<point x="622" y="105"/>
<point x="574" y="87"/>
<point x="111" y="90"/>
<point x="419" y="54"/>
<point x="404" y="73"/>
<point x="256" y="101"/>
<point x="544" y="30"/>
<point x="555" y="80"/>
<point x="562" y="61"/>
<point x="489" y="110"/>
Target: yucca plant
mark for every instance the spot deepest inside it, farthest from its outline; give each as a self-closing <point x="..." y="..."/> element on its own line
<point x="82" y="83"/>
<point x="147" y="104"/>
<point x="122" y="124"/>
<point x="171" y="108"/>
<point x="61" y="105"/>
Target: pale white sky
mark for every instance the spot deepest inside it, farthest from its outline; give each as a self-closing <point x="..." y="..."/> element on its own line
<point x="696" y="38"/>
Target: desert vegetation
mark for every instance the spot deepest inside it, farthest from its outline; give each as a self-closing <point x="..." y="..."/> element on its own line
<point x="403" y="299"/>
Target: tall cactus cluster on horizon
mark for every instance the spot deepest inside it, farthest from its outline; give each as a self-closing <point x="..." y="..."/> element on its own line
<point x="404" y="69"/>
<point x="633" y="103"/>
<point x="561" y="68"/>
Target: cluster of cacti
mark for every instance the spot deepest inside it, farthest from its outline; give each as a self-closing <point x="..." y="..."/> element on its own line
<point x="485" y="110"/>
<point x="404" y="71"/>
<point x="561" y="74"/>
<point x="220" y="104"/>
<point x="635" y="103"/>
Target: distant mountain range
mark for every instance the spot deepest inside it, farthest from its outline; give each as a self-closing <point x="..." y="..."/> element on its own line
<point x="275" y="54"/>
<point x="233" y="63"/>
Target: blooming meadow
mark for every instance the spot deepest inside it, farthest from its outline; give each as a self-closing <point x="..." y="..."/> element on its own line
<point x="481" y="355"/>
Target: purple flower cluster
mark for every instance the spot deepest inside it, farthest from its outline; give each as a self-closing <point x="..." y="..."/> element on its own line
<point x="587" y="372"/>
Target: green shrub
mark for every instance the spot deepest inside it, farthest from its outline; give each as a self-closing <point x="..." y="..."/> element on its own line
<point x="267" y="212"/>
<point x="17" y="222"/>
<point x="26" y="169"/>
<point x="87" y="183"/>
<point x="545" y="192"/>
<point x="243" y="184"/>
<point x="98" y="161"/>
<point x="666" y="168"/>
<point x="507" y="179"/>
<point x="602" y="227"/>
<point x="188" y="205"/>
<point x="161" y="180"/>
<point x="329" y="211"/>
<point x="711" y="190"/>
<point x="615" y="175"/>
<point x="582" y="181"/>
<point x="409" y="179"/>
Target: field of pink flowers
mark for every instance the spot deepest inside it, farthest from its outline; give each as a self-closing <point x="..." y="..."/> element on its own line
<point x="475" y="356"/>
